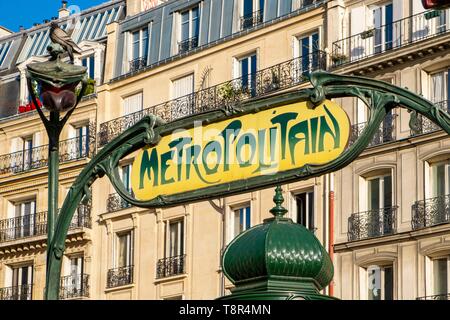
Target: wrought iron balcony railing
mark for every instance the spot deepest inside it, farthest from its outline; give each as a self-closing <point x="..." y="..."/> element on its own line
<point x="74" y="286"/>
<point x="425" y="125"/>
<point x="445" y="296"/>
<point x="430" y="212"/>
<point x="373" y="223"/>
<point x="278" y="77"/>
<point x="394" y="35"/>
<point x="252" y="19"/>
<point x="119" y="277"/>
<point x="35" y="158"/>
<point x="386" y="133"/>
<point x="138" y="64"/>
<point x="172" y="266"/>
<point x="187" y="45"/>
<point x="116" y="203"/>
<point x="23" y="292"/>
<point x="33" y="225"/>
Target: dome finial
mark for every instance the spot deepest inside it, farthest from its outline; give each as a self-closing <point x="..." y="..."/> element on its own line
<point x="278" y="211"/>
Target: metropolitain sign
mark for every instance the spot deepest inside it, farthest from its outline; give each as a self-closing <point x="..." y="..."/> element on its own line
<point x="241" y="148"/>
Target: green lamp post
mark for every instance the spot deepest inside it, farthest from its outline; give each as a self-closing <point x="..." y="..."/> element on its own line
<point x="57" y="84"/>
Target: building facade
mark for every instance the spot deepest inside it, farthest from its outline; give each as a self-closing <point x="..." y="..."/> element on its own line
<point x="389" y="208"/>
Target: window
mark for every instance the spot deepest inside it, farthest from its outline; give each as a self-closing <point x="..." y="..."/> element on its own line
<point x="72" y="285"/>
<point x="440" y="175"/>
<point x="89" y="63"/>
<point x="132" y="104"/>
<point x="439" y="90"/>
<point x="382" y="21"/>
<point x="22" y="281"/>
<point x="4" y="49"/>
<point x="380" y="283"/>
<point x="381" y="214"/>
<point x="252" y="13"/>
<point x="304" y="203"/>
<point x="174" y="241"/>
<point x="82" y="139"/>
<point x="126" y="176"/>
<point x="308" y="51"/>
<point x="27" y="152"/>
<point x="241" y="220"/>
<point x="441" y="279"/>
<point x="125" y="250"/>
<point x="182" y="90"/>
<point x="190" y="29"/>
<point x="25" y="219"/>
<point x="247" y="73"/>
<point x="139" y="49"/>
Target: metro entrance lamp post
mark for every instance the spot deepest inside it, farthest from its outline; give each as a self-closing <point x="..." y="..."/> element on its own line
<point x="59" y="87"/>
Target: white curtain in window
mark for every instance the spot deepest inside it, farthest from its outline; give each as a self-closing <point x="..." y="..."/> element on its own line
<point x="183" y="86"/>
<point x="133" y="104"/>
<point x="438" y="89"/>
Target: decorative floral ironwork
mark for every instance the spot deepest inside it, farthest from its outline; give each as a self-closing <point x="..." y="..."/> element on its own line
<point x="430" y="212"/>
<point x="424" y="125"/>
<point x="385" y="133"/>
<point x="116" y="203"/>
<point x="187" y="45"/>
<point x="223" y="96"/>
<point x="119" y="277"/>
<point x="74" y="286"/>
<point x="23" y="292"/>
<point x="252" y="19"/>
<point x="33" y="225"/>
<point x="373" y="223"/>
<point x="172" y="266"/>
<point x="444" y="296"/>
<point x="138" y="64"/>
<point x="404" y="32"/>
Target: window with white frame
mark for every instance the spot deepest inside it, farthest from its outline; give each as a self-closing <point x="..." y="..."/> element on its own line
<point x="252" y="13"/>
<point x="379" y="192"/>
<point x="439" y="89"/>
<point x="140" y="43"/>
<point x="304" y="209"/>
<point x="89" y="63"/>
<point x="382" y="22"/>
<point x="25" y="218"/>
<point x="174" y="238"/>
<point x="439" y="179"/>
<point x="125" y="171"/>
<point x="441" y="279"/>
<point x="22" y="281"/>
<point x="240" y="220"/>
<point x="182" y="91"/>
<point x="380" y="282"/>
<point x="124" y="253"/>
<point x="246" y="71"/>
<point x="82" y="140"/>
<point x="133" y="103"/>
<point x="307" y="50"/>
<point x="74" y="271"/>
<point x="189" y="29"/>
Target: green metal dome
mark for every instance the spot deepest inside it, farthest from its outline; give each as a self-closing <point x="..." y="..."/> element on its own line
<point x="279" y="259"/>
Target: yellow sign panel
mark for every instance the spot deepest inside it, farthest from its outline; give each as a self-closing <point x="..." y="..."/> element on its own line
<point x="258" y="144"/>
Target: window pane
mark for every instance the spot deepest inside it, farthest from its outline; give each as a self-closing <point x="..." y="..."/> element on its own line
<point x="440" y="276"/>
<point x="388" y="283"/>
<point x="438" y="180"/>
<point x="237" y="226"/>
<point x="387" y="201"/>
<point x="185" y="26"/>
<point x="374" y="283"/>
<point x="195" y="22"/>
<point x="311" y="210"/>
<point x="247" y="218"/>
<point x="145" y="43"/>
<point x="91" y="67"/>
<point x="123" y="251"/>
<point x="374" y="194"/>
<point x="135" y="45"/>
<point x="248" y="7"/>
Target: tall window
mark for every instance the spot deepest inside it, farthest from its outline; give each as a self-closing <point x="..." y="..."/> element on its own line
<point x="22" y="281"/>
<point x="139" y="48"/>
<point x="305" y="209"/>
<point x="441" y="277"/>
<point x="382" y="21"/>
<point x="27" y="152"/>
<point x="174" y="242"/>
<point x="241" y="220"/>
<point x="252" y="13"/>
<point x="125" y="250"/>
<point x="440" y="175"/>
<point x="380" y="282"/>
<point x="309" y="53"/>
<point x="247" y="73"/>
<point x="89" y="63"/>
<point x="82" y="139"/>
<point x="183" y="89"/>
<point x="439" y="89"/>
<point x="132" y="104"/>
<point x="74" y="283"/>
<point x="126" y="176"/>
<point x="380" y="213"/>
<point x="25" y="219"/>
<point x="190" y="29"/>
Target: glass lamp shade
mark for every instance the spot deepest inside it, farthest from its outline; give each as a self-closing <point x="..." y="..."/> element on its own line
<point x="59" y="99"/>
<point x="435" y="4"/>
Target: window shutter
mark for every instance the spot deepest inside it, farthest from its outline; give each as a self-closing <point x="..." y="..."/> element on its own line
<point x="132" y="104"/>
<point x="37" y="139"/>
<point x="183" y="86"/>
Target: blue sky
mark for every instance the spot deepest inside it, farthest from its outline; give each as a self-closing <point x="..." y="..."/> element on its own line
<point x="14" y="13"/>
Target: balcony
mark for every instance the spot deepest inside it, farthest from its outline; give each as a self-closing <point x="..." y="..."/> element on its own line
<point x="187" y="45"/>
<point x="373" y="223"/>
<point x="388" y="37"/>
<point x="169" y="267"/>
<point x="116" y="203"/>
<point x="119" y="277"/>
<point x="138" y="64"/>
<point x="430" y="212"/>
<point x="267" y="81"/>
<point x="75" y="286"/>
<point x="23" y="292"/>
<point x="36" y="158"/>
<point x="385" y="133"/>
<point x="36" y="224"/>
<point x="424" y="125"/>
<point x="445" y="296"/>
<point x="252" y="19"/>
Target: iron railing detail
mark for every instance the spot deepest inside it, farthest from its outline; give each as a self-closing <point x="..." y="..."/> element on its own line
<point x="187" y="45"/>
<point x="430" y="212"/>
<point x="372" y="223"/>
<point x="278" y="77"/>
<point x="385" y="133"/>
<point x="394" y="35"/>
<point x="119" y="277"/>
<point x="425" y="125"/>
<point x="23" y="292"/>
<point x="116" y="203"/>
<point x="252" y="19"/>
<point x="33" y="225"/>
<point x="35" y="158"/>
<point x="172" y="266"/>
<point x="444" y="296"/>
<point x="74" y="286"/>
<point x="138" y="64"/>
